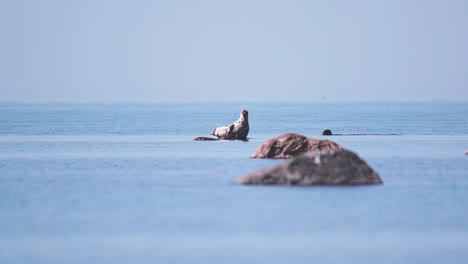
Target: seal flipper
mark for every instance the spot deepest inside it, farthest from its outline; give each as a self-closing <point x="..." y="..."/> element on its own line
<point x="230" y="129"/>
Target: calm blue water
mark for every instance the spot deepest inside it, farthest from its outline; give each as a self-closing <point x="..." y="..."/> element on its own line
<point x="125" y="183"/>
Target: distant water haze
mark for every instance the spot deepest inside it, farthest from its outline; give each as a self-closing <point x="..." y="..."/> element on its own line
<point x="219" y="51"/>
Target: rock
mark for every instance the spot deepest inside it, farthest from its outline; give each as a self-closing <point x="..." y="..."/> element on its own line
<point x="466" y="153"/>
<point x="237" y="130"/>
<point x="204" y="139"/>
<point x="290" y="145"/>
<point x="342" y="167"/>
<point x="327" y="132"/>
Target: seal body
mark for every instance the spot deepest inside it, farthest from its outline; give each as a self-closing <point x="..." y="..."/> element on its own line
<point x="237" y="130"/>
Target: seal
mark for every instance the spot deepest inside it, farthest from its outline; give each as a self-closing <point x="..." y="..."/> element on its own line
<point x="327" y="132"/>
<point x="237" y="130"/>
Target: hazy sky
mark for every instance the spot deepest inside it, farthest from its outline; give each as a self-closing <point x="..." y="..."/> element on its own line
<point x="172" y="51"/>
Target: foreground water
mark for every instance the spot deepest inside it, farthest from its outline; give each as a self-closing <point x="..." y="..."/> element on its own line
<point x="125" y="183"/>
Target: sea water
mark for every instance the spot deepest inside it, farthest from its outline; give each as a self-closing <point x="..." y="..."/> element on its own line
<point x="125" y="183"/>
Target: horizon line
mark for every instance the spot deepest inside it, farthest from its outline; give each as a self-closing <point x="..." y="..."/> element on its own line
<point x="232" y="102"/>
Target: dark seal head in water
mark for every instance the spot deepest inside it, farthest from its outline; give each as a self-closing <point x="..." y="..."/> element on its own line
<point x="237" y="130"/>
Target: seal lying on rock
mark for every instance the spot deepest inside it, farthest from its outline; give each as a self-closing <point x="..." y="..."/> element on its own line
<point x="237" y="130"/>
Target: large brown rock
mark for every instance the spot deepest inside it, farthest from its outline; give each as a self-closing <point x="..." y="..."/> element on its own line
<point x="290" y="145"/>
<point x="342" y="167"/>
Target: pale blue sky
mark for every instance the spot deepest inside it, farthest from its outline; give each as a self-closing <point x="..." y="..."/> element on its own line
<point x="197" y="51"/>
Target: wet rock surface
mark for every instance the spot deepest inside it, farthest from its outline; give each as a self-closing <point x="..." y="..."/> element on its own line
<point x="204" y="139"/>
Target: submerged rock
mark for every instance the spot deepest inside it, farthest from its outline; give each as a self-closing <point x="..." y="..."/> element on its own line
<point x="342" y="167"/>
<point x="289" y="145"/>
<point x="217" y="139"/>
<point x="204" y="139"/>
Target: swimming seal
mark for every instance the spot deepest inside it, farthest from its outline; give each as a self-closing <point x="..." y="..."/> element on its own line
<point x="237" y="130"/>
<point x="327" y="132"/>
